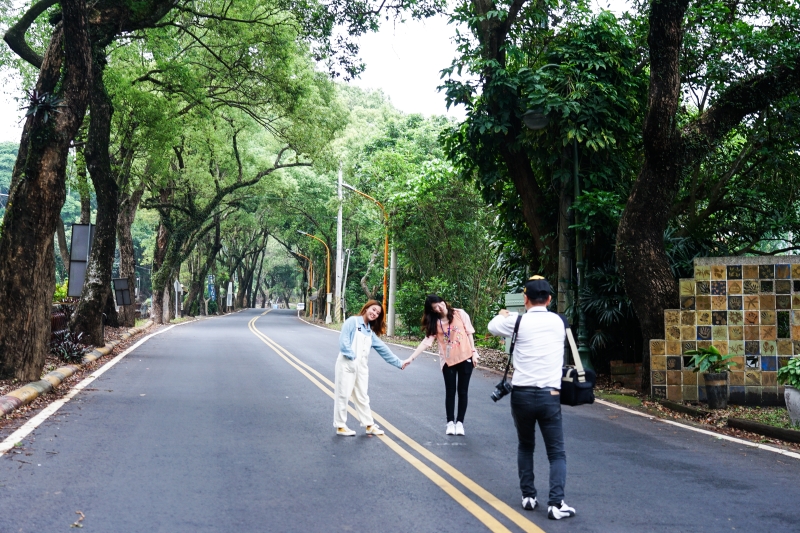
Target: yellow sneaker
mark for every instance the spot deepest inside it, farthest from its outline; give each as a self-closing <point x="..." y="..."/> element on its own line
<point x="345" y="432"/>
<point x="374" y="430"/>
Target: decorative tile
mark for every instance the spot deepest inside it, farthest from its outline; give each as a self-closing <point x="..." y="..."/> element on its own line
<point x="735" y="318"/>
<point x="687" y="318"/>
<point x="720" y="303"/>
<point x="783" y="301"/>
<point x="704" y="302"/>
<point x="782" y="272"/>
<point x="690" y="393"/>
<point x="769" y="364"/>
<point x="767" y="301"/>
<point x="736" y="333"/>
<point x="673" y="333"/>
<point x="718" y="272"/>
<point x="752" y="377"/>
<point x="751" y="348"/>
<point x="658" y="362"/>
<point x="784" y="347"/>
<point x="783" y="286"/>
<point x="736" y="348"/>
<point x="719" y="318"/>
<point x="766" y="271"/>
<point x="795" y="318"/>
<point x="796" y="285"/>
<point x="719" y="288"/>
<point x="688" y="333"/>
<point x="704" y="318"/>
<point x="766" y="287"/>
<point x="687" y="302"/>
<point x="796" y="333"/>
<point x="674" y="393"/>
<point x="735" y="287"/>
<point x="796" y="271"/>
<point x="751" y="318"/>
<point x="657" y="347"/>
<point x="702" y="273"/>
<point x="750" y="271"/>
<point x="736" y="379"/>
<point x="735" y="302"/>
<point x="751" y="303"/>
<point x="768" y="333"/>
<point x="659" y="378"/>
<point x="687" y="287"/>
<point x="690" y="377"/>
<point x="688" y="346"/>
<point x="751" y="333"/>
<point x="707" y="344"/>
<point x="659" y="392"/>
<point x="703" y="288"/>
<point x="769" y="376"/>
<point x="784" y="321"/>
<point x="783" y="361"/>
<point x="737" y="360"/>
<point x="719" y="333"/>
<point x="688" y="362"/>
<point x="673" y="348"/>
<point x="795" y="344"/>
<point x="721" y="346"/>
<point x="672" y="318"/>
<point x="795" y="301"/>
<point x="704" y="333"/>
<point x="673" y="377"/>
<point x="769" y="348"/>
<point x="768" y="318"/>
<point x="734" y="271"/>
<point x="750" y="287"/>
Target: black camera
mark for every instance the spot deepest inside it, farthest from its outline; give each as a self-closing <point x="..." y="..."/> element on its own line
<point x="502" y="388"/>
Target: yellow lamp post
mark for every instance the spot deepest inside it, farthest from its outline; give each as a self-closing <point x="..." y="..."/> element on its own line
<point x="328" y="280"/>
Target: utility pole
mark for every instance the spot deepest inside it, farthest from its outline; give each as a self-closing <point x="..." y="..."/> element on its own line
<point x="338" y="300"/>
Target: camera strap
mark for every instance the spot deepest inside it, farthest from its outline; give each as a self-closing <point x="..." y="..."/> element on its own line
<point x="511" y="348"/>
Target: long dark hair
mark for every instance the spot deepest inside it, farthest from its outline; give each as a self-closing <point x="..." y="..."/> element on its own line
<point x="431" y="317"/>
<point x="378" y="325"/>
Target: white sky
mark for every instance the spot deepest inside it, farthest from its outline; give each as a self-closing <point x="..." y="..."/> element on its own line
<point x="403" y="60"/>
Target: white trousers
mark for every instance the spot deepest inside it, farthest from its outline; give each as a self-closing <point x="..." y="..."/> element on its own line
<point x="352" y="380"/>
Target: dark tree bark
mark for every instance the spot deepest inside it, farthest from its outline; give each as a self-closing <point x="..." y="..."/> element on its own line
<point x="88" y="317"/>
<point x="37" y="192"/>
<point x="127" y="260"/>
<point x="62" y="244"/>
<point x="157" y="298"/>
<point x="670" y="153"/>
<point x="198" y="283"/>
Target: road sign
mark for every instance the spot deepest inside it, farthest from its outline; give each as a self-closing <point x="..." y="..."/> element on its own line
<point x="230" y="294"/>
<point x="122" y="292"/>
<point x="301" y="306"/>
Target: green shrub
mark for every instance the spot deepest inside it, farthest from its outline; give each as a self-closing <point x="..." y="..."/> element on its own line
<point x="61" y="291"/>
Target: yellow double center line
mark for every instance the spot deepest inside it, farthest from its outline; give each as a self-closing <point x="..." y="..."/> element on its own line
<point x="487" y="519"/>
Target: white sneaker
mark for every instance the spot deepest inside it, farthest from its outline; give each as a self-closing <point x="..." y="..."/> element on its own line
<point x="459" y="429"/>
<point x="451" y="429"/>
<point x="529" y="504"/>
<point x="562" y="511"/>
<point x="345" y="432"/>
<point x="374" y="430"/>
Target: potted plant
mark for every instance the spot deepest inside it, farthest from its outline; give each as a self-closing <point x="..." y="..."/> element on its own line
<point x="714" y="367"/>
<point x="789" y="376"/>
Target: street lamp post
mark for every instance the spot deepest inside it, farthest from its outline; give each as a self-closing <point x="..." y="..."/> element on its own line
<point x="385" y="243"/>
<point x="328" y="280"/>
<point x="536" y="119"/>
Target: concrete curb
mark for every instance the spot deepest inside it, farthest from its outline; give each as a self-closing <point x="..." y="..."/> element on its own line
<point x="27" y="393"/>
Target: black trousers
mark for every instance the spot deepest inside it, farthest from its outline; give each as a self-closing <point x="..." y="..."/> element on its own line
<point x="456" y="381"/>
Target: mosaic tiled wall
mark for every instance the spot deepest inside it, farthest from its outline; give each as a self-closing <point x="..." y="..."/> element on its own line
<point x="748" y="307"/>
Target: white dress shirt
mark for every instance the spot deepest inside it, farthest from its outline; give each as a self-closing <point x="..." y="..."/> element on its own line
<point x="539" y="351"/>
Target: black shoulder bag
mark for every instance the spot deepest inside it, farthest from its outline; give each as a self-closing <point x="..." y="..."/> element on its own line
<point x="504" y="387"/>
<point x="577" y="384"/>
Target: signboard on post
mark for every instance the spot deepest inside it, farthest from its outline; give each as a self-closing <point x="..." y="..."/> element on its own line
<point x="230" y="294"/>
<point x="178" y="292"/>
<point x="301" y="306"/>
<point x="80" y="248"/>
<point x="122" y="293"/>
<point x="212" y="291"/>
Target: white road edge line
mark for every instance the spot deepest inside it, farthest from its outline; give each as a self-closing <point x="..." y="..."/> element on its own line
<point x="48" y="411"/>
<point x="794" y="455"/>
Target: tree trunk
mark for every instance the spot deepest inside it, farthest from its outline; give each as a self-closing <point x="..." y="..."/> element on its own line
<point x="157" y="298"/>
<point x="88" y="316"/>
<point x="82" y="178"/>
<point x="197" y="286"/>
<point x="62" y="244"/>
<point x="127" y="258"/>
<point x="641" y="257"/>
<point x="36" y="195"/>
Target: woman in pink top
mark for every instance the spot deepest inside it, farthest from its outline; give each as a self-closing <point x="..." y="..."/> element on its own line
<point x="452" y="330"/>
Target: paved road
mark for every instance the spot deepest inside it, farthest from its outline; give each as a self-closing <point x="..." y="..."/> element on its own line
<point x="225" y="425"/>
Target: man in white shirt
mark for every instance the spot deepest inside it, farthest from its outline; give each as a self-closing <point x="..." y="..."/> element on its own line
<point x="535" y="396"/>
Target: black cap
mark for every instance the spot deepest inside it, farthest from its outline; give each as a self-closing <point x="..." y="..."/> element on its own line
<point x="537" y="287"/>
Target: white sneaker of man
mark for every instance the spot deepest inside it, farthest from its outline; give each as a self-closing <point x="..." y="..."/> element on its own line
<point x="557" y="512"/>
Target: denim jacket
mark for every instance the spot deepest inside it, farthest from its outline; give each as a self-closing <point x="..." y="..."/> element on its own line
<point x="356" y="323"/>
